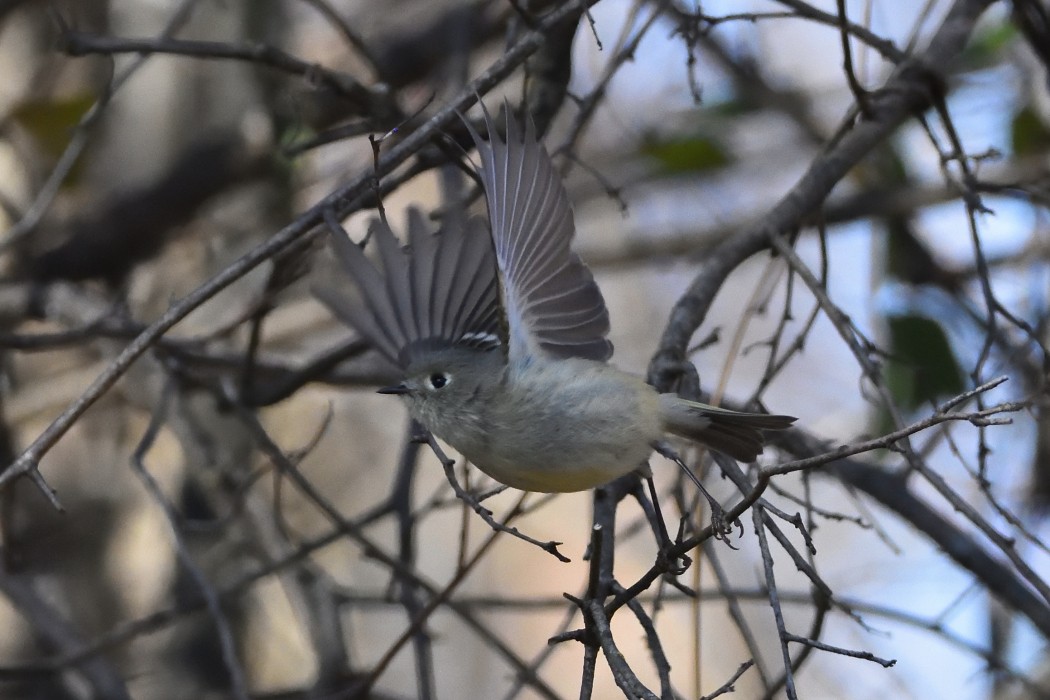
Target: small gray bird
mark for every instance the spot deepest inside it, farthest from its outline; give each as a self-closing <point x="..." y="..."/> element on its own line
<point x="500" y="332"/>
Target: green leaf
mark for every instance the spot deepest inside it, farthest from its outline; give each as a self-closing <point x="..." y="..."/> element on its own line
<point x="690" y="154"/>
<point x="909" y="259"/>
<point x="50" y="122"/>
<point x="922" y="366"/>
<point x="1040" y="489"/>
<point x="735" y="106"/>
<point x="987" y="43"/>
<point x="1028" y="133"/>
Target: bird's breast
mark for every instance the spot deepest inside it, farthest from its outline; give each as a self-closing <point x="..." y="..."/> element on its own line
<point x="560" y="426"/>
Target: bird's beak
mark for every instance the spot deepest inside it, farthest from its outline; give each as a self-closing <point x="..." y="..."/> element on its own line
<point x="396" y="389"/>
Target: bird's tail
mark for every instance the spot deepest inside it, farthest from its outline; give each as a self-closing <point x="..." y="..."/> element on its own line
<point x="736" y="434"/>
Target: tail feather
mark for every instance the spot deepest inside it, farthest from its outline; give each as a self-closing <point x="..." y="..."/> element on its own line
<point x="736" y="434"/>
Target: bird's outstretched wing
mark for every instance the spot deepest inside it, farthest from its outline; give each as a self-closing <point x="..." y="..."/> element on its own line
<point x="439" y="290"/>
<point x="550" y="299"/>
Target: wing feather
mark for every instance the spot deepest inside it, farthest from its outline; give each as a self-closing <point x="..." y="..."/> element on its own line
<point x="440" y="289"/>
<point x="550" y="299"/>
<point x="398" y="286"/>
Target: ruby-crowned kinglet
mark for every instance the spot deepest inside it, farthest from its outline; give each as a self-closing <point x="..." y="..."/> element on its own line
<point x="501" y="337"/>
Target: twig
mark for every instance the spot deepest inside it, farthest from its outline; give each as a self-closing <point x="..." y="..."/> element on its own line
<point x="977" y="418"/>
<point x="598" y="625"/>
<point x="859" y="93"/>
<point x="409" y="594"/>
<point x="442" y="596"/>
<point x="81" y="133"/>
<point x="656" y="650"/>
<point x="774" y="601"/>
<point x="447" y="464"/>
<point x="53" y="631"/>
<point x="765" y="475"/>
<point x="904" y="94"/>
<point x="736" y="612"/>
<point x="376" y="103"/>
<point x="729" y="686"/>
<point x="343" y="200"/>
<point x="238" y="684"/>
<point x="867" y="656"/>
<point x="349" y="34"/>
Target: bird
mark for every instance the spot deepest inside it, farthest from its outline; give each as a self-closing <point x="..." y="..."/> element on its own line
<point x="499" y="331"/>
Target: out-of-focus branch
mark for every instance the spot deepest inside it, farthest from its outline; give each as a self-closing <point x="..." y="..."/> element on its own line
<point x="348" y="33"/>
<point x="1008" y="180"/>
<point x="7" y="6"/>
<point x="232" y="664"/>
<point x="890" y="490"/>
<point x="134" y="227"/>
<point x="79" y="140"/>
<point x="59" y="636"/>
<point x="1032" y="17"/>
<point x="911" y="89"/>
<point x="343" y="200"/>
<point x="374" y="102"/>
<point x="411" y="55"/>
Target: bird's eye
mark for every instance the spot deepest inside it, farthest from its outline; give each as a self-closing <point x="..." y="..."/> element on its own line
<point x="438" y="380"/>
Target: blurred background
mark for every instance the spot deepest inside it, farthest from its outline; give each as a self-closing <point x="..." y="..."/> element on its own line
<point x="244" y="517"/>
